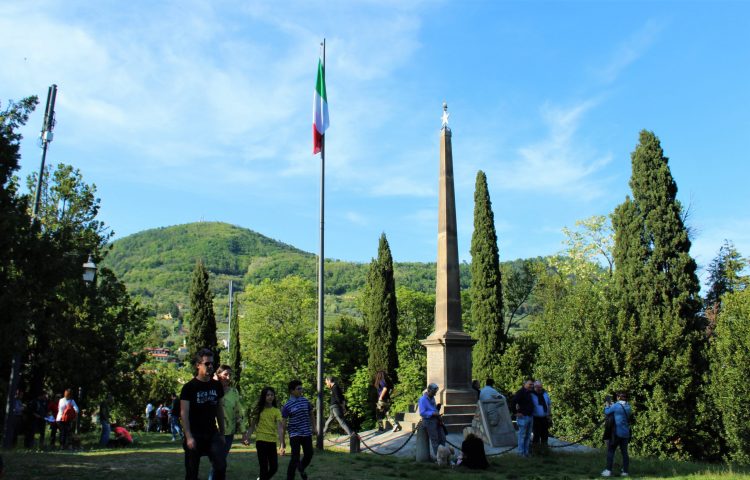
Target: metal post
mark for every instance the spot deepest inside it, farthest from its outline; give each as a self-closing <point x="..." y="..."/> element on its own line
<point x="46" y="136"/>
<point x="229" y="334"/>
<point x="321" y="281"/>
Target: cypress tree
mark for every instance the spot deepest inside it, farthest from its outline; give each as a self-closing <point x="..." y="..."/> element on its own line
<point x="659" y="331"/>
<point x="202" y="318"/>
<point x="486" y="284"/>
<point x="381" y="313"/>
<point x="235" y="358"/>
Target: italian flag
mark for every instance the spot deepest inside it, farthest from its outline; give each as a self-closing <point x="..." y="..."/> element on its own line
<point x="320" y="109"/>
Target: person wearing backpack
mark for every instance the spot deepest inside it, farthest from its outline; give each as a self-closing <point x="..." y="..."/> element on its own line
<point x="621" y="433"/>
<point x="67" y="411"/>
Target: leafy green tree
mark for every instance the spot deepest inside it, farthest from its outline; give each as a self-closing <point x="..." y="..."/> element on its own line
<point x="516" y="363"/>
<point x="16" y="250"/>
<point x="380" y="312"/>
<point x="574" y="333"/>
<point x="724" y="276"/>
<point x="659" y="332"/>
<point x="278" y="334"/>
<point x="202" y="318"/>
<point x="730" y="365"/>
<point x="416" y="312"/>
<point x="519" y="280"/>
<point x="359" y="401"/>
<point x="346" y="347"/>
<point x="235" y="356"/>
<point x="52" y="315"/>
<point x="486" y="284"/>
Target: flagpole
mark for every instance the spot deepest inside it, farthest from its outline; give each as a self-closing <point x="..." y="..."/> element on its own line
<point x="321" y="280"/>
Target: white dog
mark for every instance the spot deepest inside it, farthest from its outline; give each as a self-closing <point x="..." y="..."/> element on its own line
<point x="444" y="455"/>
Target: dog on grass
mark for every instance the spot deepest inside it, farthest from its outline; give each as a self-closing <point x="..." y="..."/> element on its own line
<point x="444" y="455"/>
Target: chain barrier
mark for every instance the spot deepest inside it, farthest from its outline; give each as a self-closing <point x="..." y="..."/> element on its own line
<point x="419" y="425"/>
<point x="585" y="437"/>
<point x="340" y="442"/>
<point x="413" y="432"/>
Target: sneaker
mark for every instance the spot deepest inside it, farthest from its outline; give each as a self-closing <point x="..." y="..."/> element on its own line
<point x="606" y="473"/>
<point x="397" y="428"/>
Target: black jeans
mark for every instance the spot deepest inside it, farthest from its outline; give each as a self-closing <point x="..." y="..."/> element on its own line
<point x="541" y="431"/>
<point x="211" y="446"/>
<point x="294" y="462"/>
<point x="65" y="433"/>
<point x="267" y="459"/>
<point x="623" y="444"/>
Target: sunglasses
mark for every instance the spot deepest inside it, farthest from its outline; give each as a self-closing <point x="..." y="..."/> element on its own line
<point x="208" y="364"/>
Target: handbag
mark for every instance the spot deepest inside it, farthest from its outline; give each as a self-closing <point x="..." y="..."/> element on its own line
<point x="609" y="427"/>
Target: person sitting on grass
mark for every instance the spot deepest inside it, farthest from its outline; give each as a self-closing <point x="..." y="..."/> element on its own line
<point x="472" y="451"/>
<point x="123" y="438"/>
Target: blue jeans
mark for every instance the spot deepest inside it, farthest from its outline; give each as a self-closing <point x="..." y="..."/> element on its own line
<point x="525" y="424"/>
<point x="435" y="432"/>
<point x="106" y="430"/>
<point x="174" y="424"/>
<point x="623" y="444"/>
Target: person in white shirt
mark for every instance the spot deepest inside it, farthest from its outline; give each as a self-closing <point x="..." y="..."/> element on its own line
<point x="67" y="411"/>
<point x="489" y="392"/>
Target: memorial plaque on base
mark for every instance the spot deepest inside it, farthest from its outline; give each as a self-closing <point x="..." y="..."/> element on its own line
<point x="492" y="423"/>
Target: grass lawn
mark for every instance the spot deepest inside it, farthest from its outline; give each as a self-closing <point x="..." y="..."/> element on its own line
<point x="155" y="457"/>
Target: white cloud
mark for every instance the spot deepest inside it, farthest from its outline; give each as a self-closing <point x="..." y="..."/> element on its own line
<point x="560" y="163"/>
<point x="629" y="51"/>
<point x="185" y="84"/>
<point x="356" y="218"/>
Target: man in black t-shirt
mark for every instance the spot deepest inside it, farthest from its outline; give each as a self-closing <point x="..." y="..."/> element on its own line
<point x="338" y="405"/>
<point x="203" y="418"/>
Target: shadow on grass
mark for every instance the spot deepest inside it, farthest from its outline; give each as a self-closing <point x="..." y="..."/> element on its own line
<point x="155" y="457"/>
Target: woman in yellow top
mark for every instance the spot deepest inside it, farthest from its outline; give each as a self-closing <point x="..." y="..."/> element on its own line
<point x="232" y="409"/>
<point x="266" y="422"/>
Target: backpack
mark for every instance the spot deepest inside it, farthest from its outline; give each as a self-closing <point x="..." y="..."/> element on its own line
<point x="69" y="414"/>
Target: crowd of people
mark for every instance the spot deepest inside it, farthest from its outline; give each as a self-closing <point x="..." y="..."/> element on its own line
<point x="208" y="413"/>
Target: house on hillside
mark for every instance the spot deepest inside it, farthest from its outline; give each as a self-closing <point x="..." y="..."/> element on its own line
<point x="161" y="354"/>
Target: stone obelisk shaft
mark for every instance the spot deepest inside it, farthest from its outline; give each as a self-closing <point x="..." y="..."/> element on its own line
<point x="449" y="347"/>
<point x="448" y="287"/>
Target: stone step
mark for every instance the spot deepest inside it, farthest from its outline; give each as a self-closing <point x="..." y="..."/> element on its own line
<point x="458" y="418"/>
<point x="451" y="409"/>
<point x="412" y="417"/>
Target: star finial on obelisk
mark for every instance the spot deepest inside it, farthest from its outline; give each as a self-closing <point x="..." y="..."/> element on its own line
<point x="445" y="115"/>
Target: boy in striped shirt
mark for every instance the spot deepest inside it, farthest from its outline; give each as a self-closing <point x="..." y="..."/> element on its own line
<point x="297" y="416"/>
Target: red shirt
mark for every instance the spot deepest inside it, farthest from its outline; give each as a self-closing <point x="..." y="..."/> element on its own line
<point x="122" y="432"/>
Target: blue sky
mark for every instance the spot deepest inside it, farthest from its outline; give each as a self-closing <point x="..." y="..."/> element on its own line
<point x="185" y="111"/>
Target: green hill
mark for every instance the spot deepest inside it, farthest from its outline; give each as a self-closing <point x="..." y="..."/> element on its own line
<point x="157" y="264"/>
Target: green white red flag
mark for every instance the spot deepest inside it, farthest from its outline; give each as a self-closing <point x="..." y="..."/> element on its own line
<point x="320" y="109"/>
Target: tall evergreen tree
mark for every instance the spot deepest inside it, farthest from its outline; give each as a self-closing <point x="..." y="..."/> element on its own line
<point x="659" y="332"/>
<point x="381" y="312"/>
<point x="202" y="318"/>
<point x="486" y="284"/>
<point x="235" y="358"/>
<point x="725" y="274"/>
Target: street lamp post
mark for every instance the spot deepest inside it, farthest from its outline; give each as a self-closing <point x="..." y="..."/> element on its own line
<point x="89" y="274"/>
<point x="89" y="270"/>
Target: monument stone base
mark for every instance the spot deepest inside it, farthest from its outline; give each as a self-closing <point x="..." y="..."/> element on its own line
<point x="449" y="366"/>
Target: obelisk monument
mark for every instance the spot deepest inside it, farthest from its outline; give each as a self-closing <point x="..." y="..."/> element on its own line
<point x="449" y="347"/>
